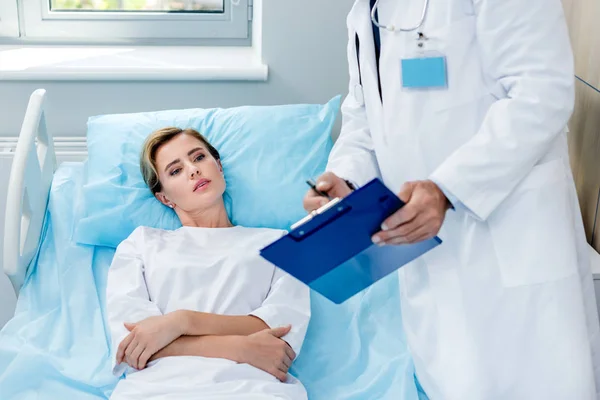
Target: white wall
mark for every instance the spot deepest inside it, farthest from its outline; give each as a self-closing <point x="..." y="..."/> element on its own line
<point x="304" y="45"/>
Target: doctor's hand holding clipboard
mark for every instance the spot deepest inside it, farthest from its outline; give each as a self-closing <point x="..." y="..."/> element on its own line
<point x="420" y="219"/>
<point x="332" y="251"/>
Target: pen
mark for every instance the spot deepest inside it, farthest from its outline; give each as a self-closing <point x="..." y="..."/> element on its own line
<point x="313" y="186"/>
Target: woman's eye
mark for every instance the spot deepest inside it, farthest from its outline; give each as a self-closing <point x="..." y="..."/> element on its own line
<point x="199" y="157"/>
<point x="175" y="171"/>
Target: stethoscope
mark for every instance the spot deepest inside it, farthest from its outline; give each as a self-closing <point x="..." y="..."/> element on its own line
<point x="358" y="93"/>
<point x="393" y="28"/>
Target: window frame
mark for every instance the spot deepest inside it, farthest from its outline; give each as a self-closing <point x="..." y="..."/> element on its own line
<point x="39" y="23"/>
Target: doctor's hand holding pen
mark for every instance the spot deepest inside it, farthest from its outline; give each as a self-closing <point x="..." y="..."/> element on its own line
<point x="327" y="187"/>
<point x="420" y="219"/>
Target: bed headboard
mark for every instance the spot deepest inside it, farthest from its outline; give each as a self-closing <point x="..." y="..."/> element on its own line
<point x="29" y="184"/>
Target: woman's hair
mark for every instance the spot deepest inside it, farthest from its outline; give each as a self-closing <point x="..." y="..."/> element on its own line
<point x="153" y="143"/>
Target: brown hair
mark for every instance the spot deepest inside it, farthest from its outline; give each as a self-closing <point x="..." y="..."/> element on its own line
<point x="153" y="143"/>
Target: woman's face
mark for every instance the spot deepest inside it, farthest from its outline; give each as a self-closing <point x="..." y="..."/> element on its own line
<point x="191" y="179"/>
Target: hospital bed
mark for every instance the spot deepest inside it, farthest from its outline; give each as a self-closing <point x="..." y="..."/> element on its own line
<point x="29" y="184"/>
<point x="28" y="190"/>
<point x="57" y="342"/>
<point x="56" y="345"/>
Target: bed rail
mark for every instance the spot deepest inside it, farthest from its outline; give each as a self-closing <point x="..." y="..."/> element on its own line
<point x="33" y="167"/>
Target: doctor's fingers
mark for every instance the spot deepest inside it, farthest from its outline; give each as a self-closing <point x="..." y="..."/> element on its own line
<point x="312" y="201"/>
<point x="403" y="229"/>
<point x="403" y="216"/>
<point x="399" y="234"/>
<point x="427" y="224"/>
<point x="333" y="185"/>
<point x="327" y="181"/>
<point x="422" y="200"/>
<point x="123" y="346"/>
<point x="420" y="234"/>
<point x="406" y="191"/>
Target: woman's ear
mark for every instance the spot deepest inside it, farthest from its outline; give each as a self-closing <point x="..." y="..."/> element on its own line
<point x="221" y="167"/>
<point x="160" y="196"/>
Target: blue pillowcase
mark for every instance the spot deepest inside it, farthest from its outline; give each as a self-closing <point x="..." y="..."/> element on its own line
<point x="267" y="154"/>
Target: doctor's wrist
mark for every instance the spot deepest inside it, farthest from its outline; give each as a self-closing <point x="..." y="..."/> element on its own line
<point x="442" y="194"/>
<point x="350" y="184"/>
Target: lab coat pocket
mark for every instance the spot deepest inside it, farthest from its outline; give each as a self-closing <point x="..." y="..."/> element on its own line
<point x="533" y="229"/>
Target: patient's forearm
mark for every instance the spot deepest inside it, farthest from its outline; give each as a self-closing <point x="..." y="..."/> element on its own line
<point x="227" y="347"/>
<point x="198" y="323"/>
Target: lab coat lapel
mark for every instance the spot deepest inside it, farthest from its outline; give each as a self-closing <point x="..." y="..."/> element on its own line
<point x="360" y="18"/>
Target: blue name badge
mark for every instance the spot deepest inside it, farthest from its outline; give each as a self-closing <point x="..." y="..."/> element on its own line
<point x="424" y="72"/>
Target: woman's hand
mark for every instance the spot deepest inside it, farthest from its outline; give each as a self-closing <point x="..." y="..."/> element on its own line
<point x="148" y="337"/>
<point x="266" y="350"/>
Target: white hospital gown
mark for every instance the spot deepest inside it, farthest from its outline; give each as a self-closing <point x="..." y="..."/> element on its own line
<point x="213" y="270"/>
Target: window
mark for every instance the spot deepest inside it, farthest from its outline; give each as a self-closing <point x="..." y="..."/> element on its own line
<point x="110" y="20"/>
<point x="138" y="5"/>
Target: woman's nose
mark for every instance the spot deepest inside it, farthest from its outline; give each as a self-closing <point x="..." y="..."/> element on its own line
<point x="194" y="172"/>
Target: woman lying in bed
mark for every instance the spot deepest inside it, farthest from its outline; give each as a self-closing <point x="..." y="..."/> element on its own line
<point x="196" y="313"/>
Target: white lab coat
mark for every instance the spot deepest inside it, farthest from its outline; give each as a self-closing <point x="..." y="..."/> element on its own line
<point x="155" y="272"/>
<point x="505" y="308"/>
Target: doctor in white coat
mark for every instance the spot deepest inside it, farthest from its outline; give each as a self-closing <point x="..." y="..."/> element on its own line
<point x="467" y="122"/>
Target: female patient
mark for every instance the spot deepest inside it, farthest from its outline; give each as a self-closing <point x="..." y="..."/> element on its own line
<point x="196" y="313"/>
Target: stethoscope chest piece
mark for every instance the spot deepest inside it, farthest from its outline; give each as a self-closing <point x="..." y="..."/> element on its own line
<point x="359" y="95"/>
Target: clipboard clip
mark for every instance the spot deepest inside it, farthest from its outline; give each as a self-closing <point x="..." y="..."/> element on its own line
<point x="320" y="211"/>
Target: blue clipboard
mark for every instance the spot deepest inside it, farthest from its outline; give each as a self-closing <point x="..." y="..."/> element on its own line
<point x="331" y="249"/>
